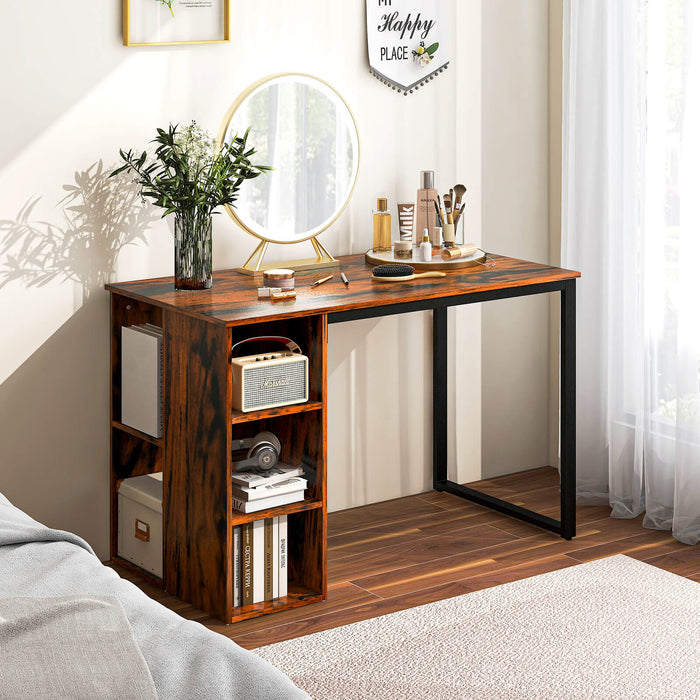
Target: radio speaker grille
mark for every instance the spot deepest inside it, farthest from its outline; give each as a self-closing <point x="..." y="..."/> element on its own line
<point x="265" y="386"/>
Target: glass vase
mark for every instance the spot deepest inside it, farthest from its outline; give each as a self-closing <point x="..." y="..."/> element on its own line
<point x="193" y="260"/>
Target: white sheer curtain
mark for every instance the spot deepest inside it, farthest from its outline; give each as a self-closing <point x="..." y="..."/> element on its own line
<point x="631" y="224"/>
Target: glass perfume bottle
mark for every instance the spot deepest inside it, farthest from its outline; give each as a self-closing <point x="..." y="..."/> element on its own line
<point x="381" y="221"/>
<point x="425" y="206"/>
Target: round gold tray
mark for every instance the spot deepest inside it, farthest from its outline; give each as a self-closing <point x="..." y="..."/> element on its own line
<point x="437" y="263"/>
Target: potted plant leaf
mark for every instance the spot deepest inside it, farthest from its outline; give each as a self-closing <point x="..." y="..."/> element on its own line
<point x="190" y="177"/>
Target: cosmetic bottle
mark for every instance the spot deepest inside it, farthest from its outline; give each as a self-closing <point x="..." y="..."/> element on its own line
<point x="436" y="238"/>
<point x="381" y="221"/>
<point x="406" y="215"/>
<point x="425" y="207"/>
<point x="425" y="253"/>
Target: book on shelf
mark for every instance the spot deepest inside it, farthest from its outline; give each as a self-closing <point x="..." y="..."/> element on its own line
<point x="283" y="552"/>
<point x="237" y="600"/>
<point x="254" y="478"/>
<point x="270" y="502"/>
<point x="275" y="557"/>
<point x="142" y="378"/>
<point x="269" y="546"/>
<point x="260" y="561"/>
<point x="296" y="483"/>
<point x="247" y="564"/>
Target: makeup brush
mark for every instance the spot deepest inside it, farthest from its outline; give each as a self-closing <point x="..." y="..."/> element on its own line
<point x="443" y="217"/>
<point x="397" y="272"/>
<point x="459" y="191"/>
<point x="437" y="211"/>
<point x="448" y="206"/>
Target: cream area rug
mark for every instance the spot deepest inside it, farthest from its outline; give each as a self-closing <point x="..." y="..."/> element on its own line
<point x="612" y="628"/>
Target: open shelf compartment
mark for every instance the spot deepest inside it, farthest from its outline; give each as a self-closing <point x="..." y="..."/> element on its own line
<point x="306" y="566"/>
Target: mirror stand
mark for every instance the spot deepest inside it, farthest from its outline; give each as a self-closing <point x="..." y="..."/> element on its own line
<point x="305" y="132"/>
<point x="323" y="260"/>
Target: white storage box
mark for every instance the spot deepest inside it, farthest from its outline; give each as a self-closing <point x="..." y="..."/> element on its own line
<point x="140" y="513"/>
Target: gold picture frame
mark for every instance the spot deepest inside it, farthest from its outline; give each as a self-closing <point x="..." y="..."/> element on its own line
<point x="174" y="22"/>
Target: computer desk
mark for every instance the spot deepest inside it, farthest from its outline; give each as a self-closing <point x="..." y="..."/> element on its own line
<point x="199" y="425"/>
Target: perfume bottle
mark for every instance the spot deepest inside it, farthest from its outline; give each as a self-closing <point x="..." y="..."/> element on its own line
<point x="381" y="221"/>
<point x="425" y="207"/>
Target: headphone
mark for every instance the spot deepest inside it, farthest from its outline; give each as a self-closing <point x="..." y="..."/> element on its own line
<point x="263" y="452"/>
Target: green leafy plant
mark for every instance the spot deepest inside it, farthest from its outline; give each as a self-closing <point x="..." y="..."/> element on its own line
<point x="189" y="173"/>
<point x="168" y="4"/>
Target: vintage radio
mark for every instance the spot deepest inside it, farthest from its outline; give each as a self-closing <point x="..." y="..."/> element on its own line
<point x="270" y="379"/>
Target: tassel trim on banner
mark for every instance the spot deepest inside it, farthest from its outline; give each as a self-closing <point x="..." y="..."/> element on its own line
<point x="410" y="88"/>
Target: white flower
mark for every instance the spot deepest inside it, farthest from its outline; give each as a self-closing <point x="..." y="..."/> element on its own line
<point x="425" y="59"/>
<point x="198" y="147"/>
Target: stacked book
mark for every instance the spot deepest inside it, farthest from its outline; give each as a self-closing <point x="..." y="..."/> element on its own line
<point x="260" y="561"/>
<point x="142" y="378"/>
<point x="258" y="490"/>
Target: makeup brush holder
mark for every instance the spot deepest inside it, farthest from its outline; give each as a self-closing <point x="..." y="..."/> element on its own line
<point x="459" y="231"/>
<point x="453" y="234"/>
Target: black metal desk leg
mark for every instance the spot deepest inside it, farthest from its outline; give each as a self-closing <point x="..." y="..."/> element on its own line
<point x="439" y="397"/>
<point x="568" y="410"/>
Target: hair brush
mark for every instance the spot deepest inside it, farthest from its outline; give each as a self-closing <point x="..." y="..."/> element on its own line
<point x="398" y="272"/>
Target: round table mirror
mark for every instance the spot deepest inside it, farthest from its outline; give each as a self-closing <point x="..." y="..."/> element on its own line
<point x="304" y="130"/>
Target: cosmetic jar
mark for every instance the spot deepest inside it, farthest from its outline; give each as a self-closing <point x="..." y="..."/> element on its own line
<point x="403" y="249"/>
<point x="280" y="277"/>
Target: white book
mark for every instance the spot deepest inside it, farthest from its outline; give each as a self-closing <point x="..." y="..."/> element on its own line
<point x="270" y="502"/>
<point x="152" y="328"/>
<point x="142" y="387"/>
<point x="254" y="479"/>
<point x="237" y="566"/>
<point x="283" y="551"/>
<point x="275" y="557"/>
<point x="270" y="546"/>
<point x="258" y="561"/>
<point x="296" y="483"/>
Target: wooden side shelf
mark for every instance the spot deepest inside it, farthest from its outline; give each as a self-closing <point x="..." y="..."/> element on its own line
<point x="294" y="599"/>
<point x="307" y="504"/>
<point x="239" y="417"/>
<point x="196" y="459"/>
<point x="137" y="433"/>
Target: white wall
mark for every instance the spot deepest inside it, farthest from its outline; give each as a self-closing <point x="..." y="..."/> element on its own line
<point x="74" y="95"/>
<point x="515" y="222"/>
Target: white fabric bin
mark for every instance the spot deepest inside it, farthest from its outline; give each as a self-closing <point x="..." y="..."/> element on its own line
<point x="140" y="513"/>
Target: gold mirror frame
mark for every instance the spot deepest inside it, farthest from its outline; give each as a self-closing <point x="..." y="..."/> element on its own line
<point x="323" y="258"/>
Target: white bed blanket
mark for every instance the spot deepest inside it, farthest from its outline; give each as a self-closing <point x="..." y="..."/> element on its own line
<point x="79" y="647"/>
<point x="186" y="660"/>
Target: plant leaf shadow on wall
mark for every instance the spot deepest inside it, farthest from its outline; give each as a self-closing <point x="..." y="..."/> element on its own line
<point x="54" y="404"/>
<point x="100" y="217"/>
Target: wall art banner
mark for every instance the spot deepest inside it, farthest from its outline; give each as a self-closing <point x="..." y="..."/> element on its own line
<point x="406" y="41"/>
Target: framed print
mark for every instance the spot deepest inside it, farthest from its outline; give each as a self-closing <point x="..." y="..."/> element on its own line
<point x="155" y="22"/>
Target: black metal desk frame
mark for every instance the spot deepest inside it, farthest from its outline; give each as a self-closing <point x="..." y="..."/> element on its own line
<point x="566" y="526"/>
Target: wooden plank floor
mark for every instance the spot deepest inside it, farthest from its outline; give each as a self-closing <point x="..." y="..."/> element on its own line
<point x="402" y="553"/>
